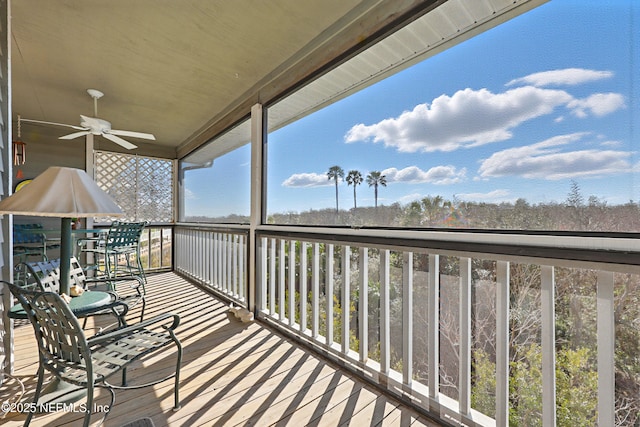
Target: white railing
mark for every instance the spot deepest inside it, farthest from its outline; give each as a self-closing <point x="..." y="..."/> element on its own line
<point x="214" y="257"/>
<point x="477" y="329"/>
<point x="509" y="332"/>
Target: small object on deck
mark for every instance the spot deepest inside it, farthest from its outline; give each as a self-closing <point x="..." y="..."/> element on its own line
<point x="76" y="291"/>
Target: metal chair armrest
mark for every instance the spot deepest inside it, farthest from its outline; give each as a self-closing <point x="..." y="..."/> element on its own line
<point x="115" y="334"/>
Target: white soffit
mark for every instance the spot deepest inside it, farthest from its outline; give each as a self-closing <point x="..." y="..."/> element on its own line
<point x="438" y="30"/>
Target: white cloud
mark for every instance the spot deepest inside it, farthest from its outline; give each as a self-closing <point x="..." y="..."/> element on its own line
<point x="566" y="77"/>
<point x="435" y="175"/>
<point x="189" y="194"/>
<point x="307" y="180"/>
<point x="598" y="104"/>
<point x="468" y="118"/>
<point x="494" y="196"/>
<point x="547" y="160"/>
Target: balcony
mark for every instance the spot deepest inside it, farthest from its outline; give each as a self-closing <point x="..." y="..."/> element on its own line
<point x="488" y="317"/>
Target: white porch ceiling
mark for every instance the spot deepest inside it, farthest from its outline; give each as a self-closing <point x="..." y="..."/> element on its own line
<point x="176" y="68"/>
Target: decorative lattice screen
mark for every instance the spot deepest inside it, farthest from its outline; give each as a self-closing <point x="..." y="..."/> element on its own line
<point x="142" y="186"/>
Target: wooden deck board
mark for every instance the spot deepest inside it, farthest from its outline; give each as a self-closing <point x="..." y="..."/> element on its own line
<point x="232" y="374"/>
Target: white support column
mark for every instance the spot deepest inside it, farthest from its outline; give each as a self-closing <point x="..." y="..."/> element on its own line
<point x="363" y="309"/>
<point x="465" y="337"/>
<point x="502" y="343"/>
<point x="345" y="297"/>
<point x="606" y="349"/>
<point x="258" y="160"/>
<point x="407" y="318"/>
<point x="548" y="347"/>
<point x="303" y="287"/>
<point x="315" y="290"/>
<point x="385" y="340"/>
<point x="328" y="292"/>
<point x="434" y="326"/>
<point x="292" y="282"/>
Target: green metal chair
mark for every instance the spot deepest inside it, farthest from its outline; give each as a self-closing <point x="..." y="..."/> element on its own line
<point x="44" y="276"/>
<point x="85" y="363"/>
<point x="120" y="243"/>
<point x="29" y="240"/>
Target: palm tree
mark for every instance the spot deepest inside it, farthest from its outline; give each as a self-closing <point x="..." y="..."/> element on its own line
<point x="354" y="178"/>
<point x="374" y="179"/>
<point x="335" y="173"/>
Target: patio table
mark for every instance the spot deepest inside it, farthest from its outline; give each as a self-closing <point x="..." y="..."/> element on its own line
<point x="86" y="304"/>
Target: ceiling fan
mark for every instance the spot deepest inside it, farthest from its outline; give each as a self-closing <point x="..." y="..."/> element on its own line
<point x="96" y="126"/>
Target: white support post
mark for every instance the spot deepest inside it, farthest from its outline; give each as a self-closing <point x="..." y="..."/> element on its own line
<point x="345" y="299"/>
<point x="258" y="160"/>
<point x="548" y="347"/>
<point x="315" y="290"/>
<point x="304" y="298"/>
<point x="465" y="337"/>
<point x="502" y="343"/>
<point x="292" y="282"/>
<point x="363" y="309"/>
<point x="328" y="292"/>
<point x="606" y="349"/>
<point x="385" y="340"/>
<point x="434" y="326"/>
<point x="407" y="318"/>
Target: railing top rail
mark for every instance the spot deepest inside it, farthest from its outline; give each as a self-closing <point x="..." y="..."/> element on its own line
<point x="622" y="250"/>
<point x="230" y="228"/>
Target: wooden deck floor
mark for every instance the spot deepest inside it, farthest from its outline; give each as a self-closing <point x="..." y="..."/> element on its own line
<point x="232" y="374"/>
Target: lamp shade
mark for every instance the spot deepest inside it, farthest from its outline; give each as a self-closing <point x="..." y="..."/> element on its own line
<point x="64" y="193"/>
<point x="61" y="192"/>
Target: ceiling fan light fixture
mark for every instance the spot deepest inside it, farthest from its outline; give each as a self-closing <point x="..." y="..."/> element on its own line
<point x="95" y="93"/>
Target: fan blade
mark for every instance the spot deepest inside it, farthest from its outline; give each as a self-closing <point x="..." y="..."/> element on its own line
<point x="119" y="141"/>
<point x="132" y="134"/>
<point x="75" y="135"/>
<point x="52" y="123"/>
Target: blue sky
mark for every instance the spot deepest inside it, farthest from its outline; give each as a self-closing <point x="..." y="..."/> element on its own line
<point x="517" y="112"/>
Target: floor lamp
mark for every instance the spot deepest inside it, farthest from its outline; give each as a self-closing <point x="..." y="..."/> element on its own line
<point x="65" y="193"/>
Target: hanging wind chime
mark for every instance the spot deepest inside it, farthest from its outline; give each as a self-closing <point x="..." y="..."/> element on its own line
<point x="19" y="151"/>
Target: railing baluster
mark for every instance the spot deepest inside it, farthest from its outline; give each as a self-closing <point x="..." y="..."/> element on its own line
<point x="262" y="273"/>
<point x="315" y="290"/>
<point x="434" y="326"/>
<point x="363" y="309"/>
<point x="272" y="276"/>
<point x="303" y="287"/>
<point x="465" y="336"/>
<point x="385" y="341"/>
<point x="345" y="300"/>
<point x="407" y="318"/>
<point x="292" y="282"/>
<point x="234" y="265"/>
<point x="502" y="343"/>
<point x="547" y="301"/>
<point x="328" y="292"/>
<point x="281" y="277"/>
<point x="606" y="349"/>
